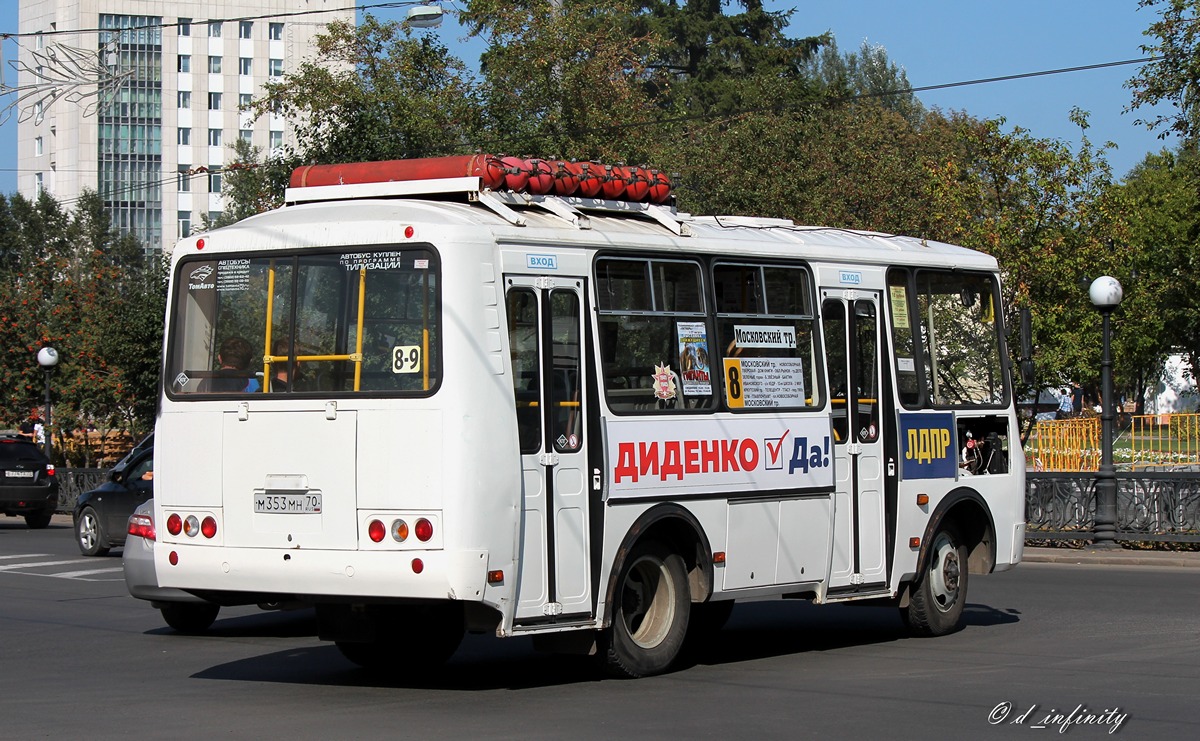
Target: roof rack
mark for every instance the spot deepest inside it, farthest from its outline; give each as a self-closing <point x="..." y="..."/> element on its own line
<point x="501" y="202"/>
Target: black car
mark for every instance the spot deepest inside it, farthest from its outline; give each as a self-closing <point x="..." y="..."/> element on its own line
<point x="102" y="514"/>
<point x="27" y="484"/>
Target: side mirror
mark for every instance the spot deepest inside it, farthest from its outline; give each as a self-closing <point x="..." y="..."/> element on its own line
<point x="117" y="477"/>
<point x="1026" y="363"/>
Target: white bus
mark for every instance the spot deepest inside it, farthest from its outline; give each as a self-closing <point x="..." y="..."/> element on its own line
<point x="429" y="407"/>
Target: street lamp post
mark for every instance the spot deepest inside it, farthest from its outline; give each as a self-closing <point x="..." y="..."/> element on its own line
<point x="47" y="357"/>
<point x="1106" y="295"/>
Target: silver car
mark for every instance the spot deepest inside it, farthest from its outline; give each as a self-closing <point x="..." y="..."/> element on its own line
<point x="184" y="612"/>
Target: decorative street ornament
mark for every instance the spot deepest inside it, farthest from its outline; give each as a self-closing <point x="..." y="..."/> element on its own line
<point x="84" y="77"/>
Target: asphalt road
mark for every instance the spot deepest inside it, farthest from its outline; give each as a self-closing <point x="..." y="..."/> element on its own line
<point x="79" y="658"/>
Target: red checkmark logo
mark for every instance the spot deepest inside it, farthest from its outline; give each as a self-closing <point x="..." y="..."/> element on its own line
<point x="774" y="451"/>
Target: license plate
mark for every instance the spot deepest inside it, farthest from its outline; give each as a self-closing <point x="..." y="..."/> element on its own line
<point x="287" y="504"/>
<point x="19" y="474"/>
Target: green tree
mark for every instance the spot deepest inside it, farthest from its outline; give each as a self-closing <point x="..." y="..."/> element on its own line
<point x="563" y="77"/>
<point x="1162" y="207"/>
<point x="714" y="63"/>
<point x="1174" y="77"/>
<point x="377" y="91"/>
<point x="866" y="73"/>
<point x="252" y="184"/>
<point x="75" y="283"/>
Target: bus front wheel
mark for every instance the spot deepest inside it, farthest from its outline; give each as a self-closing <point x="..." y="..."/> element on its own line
<point x="937" y="598"/>
<point x="650" y="612"/>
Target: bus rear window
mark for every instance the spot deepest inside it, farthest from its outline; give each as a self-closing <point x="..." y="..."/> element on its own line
<point x="329" y="323"/>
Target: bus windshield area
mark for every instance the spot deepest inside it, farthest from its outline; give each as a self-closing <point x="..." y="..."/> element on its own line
<point x="342" y="322"/>
<point x="947" y="339"/>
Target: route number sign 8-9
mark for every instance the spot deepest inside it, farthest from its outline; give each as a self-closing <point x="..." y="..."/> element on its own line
<point x="406" y="359"/>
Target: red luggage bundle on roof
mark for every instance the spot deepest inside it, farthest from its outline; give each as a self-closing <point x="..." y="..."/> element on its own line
<point x="517" y="174"/>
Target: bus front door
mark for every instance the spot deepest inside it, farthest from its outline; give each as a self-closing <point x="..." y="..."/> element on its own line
<point x="545" y="324"/>
<point x="851" y="331"/>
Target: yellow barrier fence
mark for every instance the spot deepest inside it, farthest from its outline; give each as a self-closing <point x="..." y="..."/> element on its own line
<point x="1165" y="440"/>
<point x="1066" y="445"/>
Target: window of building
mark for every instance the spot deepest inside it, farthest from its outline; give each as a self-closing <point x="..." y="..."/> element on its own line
<point x="214" y="137"/>
<point x="275" y="67"/>
<point x="214" y="101"/>
<point x="654" y="336"/>
<point x="185" y="62"/>
<point x="37" y="146"/>
<point x="275" y="32"/>
<point x="39" y="183"/>
<point x="246" y="135"/>
<point x="214" y="29"/>
<point x="214" y="181"/>
<point x="185" y="98"/>
<point x="185" y="179"/>
<point x="244" y="99"/>
<point x="185" y="224"/>
<point x="185" y="135"/>
<point x="245" y="65"/>
<point x="185" y="26"/>
<point x="41" y="41"/>
<point x="214" y="65"/>
<point x="276" y="140"/>
<point x="245" y="29"/>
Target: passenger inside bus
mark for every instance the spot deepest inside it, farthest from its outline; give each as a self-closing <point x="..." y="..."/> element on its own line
<point x="232" y="374"/>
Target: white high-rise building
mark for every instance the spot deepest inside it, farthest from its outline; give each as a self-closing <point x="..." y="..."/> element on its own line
<point x="155" y="153"/>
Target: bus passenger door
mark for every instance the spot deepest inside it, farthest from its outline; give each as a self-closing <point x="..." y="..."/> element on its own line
<point x="545" y="324"/>
<point x="850" y="321"/>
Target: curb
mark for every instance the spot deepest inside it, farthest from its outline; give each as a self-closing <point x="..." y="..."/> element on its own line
<point x="1116" y="557"/>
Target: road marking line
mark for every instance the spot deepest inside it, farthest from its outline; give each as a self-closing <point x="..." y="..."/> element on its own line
<point x="25" y="555"/>
<point x="73" y="574"/>
<point x="11" y="566"/>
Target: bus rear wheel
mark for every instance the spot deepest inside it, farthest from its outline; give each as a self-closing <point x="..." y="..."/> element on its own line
<point x="424" y="636"/>
<point x="937" y="598"/>
<point x="650" y="613"/>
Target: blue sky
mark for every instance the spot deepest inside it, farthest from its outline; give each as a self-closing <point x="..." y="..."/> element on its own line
<point x="937" y="42"/>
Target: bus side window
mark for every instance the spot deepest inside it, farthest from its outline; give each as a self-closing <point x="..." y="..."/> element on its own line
<point x="834" y="323"/>
<point x="527" y="381"/>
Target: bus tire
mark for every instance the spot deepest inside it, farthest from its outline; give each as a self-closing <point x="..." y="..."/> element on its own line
<point x="650" y="612"/>
<point x="413" y="636"/>
<point x="190" y="618"/>
<point x="937" y="598"/>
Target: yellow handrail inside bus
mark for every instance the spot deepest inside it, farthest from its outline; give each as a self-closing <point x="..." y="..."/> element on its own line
<point x="356" y="357"/>
<point x="267" y="332"/>
<point x="358" y="342"/>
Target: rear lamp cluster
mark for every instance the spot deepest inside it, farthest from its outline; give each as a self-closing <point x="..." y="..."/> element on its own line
<point x="399" y="530"/>
<point x="192" y="525"/>
<point x="141" y="526"/>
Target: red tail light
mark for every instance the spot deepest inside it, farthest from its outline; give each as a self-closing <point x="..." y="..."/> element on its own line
<point x="174" y="524"/>
<point x="49" y="469"/>
<point x="208" y="528"/>
<point x="423" y="529"/>
<point x="142" y="526"/>
<point x="376" y="530"/>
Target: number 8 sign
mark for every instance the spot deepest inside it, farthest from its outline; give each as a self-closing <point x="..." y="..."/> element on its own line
<point x="406" y="359"/>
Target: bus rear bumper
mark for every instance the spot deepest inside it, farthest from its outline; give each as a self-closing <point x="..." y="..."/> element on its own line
<point x="311" y="574"/>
